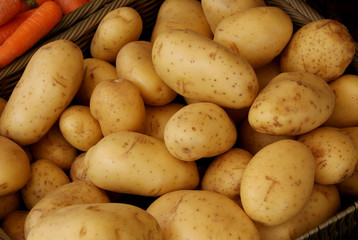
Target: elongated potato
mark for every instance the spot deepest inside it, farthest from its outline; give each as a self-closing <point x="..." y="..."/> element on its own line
<point x="197" y="67"/>
<point x="47" y="86"/>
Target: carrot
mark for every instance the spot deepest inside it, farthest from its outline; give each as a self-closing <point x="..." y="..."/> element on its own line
<point x="30" y="32"/>
<point x="8" y="28"/>
<point x="8" y="10"/>
<point x="70" y="5"/>
<point x="30" y="4"/>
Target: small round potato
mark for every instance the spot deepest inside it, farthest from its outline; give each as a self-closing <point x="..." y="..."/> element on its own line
<point x="264" y="33"/>
<point x="278" y="182"/>
<point x="45" y="177"/>
<point x="120" y="26"/>
<point x="13" y="224"/>
<point x="9" y="203"/>
<point x="118" y="106"/>
<point x="335" y="152"/>
<point x="78" y="169"/>
<point x="79" y="127"/>
<point x="199" y="130"/>
<point x="201" y="214"/>
<point x="322" y="47"/>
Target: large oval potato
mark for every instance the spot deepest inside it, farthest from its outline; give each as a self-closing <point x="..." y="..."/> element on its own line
<point x="98" y="221"/>
<point x="199" y="68"/>
<point x="322" y="47"/>
<point x="47" y="86"/>
<point x="14" y="166"/>
<point x="119" y="27"/>
<point x="292" y="103"/>
<point x="278" y="182"/>
<point x="201" y="214"/>
<point x="134" y="163"/>
<point x="260" y="39"/>
<point x="199" y="130"/>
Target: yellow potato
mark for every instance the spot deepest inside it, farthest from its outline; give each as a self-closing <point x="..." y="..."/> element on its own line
<point x="323" y="204"/>
<point x="117" y="105"/>
<point x="72" y="193"/>
<point x="199" y="68"/>
<point x="199" y="130"/>
<point x="46" y="87"/>
<point x="78" y="168"/>
<point x="264" y="33"/>
<point x="345" y="89"/>
<point x="134" y="63"/>
<point x="79" y="127"/>
<point x="335" y="153"/>
<point x="292" y="103"/>
<point x="201" y="214"/>
<point x="14" y="167"/>
<point x="9" y="203"/>
<point x="134" y="163"/>
<point x="225" y="172"/>
<point x="278" y="182"/>
<point x="267" y="72"/>
<point x="156" y="117"/>
<point x="181" y="14"/>
<point x="216" y="10"/>
<point x="53" y="146"/>
<point x="94" y="71"/>
<point x="45" y="177"/>
<point x="98" y="221"/>
<point x="120" y="26"/>
<point x="322" y="47"/>
<point x="13" y="224"/>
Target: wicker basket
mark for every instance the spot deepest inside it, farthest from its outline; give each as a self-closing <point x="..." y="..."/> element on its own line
<point x="79" y="27"/>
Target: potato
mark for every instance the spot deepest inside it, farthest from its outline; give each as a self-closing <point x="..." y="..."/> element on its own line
<point x="94" y="71"/>
<point x="225" y="172"/>
<point x="45" y="177"/>
<point x="79" y="127"/>
<point x="13" y="224"/>
<point x="260" y="39"/>
<point x="181" y="14"/>
<point x="14" y="167"/>
<point x="293" y="103"/>
<point x="345" y="89"/>
<point x="72" y="193"/>
<point x="201" y="214"/>
<point x="323" y="204"/>
<point x="2" y="105"/>
<point x="322" y="47"/>
<point x="9" y="203"/>
<point x="101" y="220"/>
<point x="134" y="63"/>
<point x="199" y="68"/>
<point x="78" y="168"/>
<point x="46" y="87"/>
<point x="215" y="11"/>
<point x="156" y="117"/>
<point x="278" y="182"/>
<point x="118" y="27"/>
<point x="335" y="153"/>
<point x="199" y="130"/>
<point x="117" y="105"/>
<point x="134" y="163"/>
<point x="254" y="141"/>
<point x="267" y="72"/>
<point x="53" y="146"/>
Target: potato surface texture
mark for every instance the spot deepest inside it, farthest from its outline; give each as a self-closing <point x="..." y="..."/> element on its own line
<point x="277" y="182"/>
<point x="199" y="130"/>
<point x="98" y="221"/>
<point x="47" y="86"/>
<point x="134" y="163"/>
<point x="201" y="214"/>
<point x="197" y="67"/>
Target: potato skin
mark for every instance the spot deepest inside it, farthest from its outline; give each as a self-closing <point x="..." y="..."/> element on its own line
<point x="47" y="86"/>
<point x="9" y="203"/>
<point x="13" y="224"/>
<point x="199" y="68"/>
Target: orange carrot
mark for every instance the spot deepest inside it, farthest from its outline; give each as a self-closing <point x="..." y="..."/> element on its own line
<point x="8" y="28"/>
<point x="30" y="32"/>
<point x="8" y="10"/>
<point x="30" y="4"/>
<point x="70" y="5"/>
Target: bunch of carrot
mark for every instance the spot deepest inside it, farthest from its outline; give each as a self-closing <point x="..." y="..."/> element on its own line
<point x="24" y="22"/>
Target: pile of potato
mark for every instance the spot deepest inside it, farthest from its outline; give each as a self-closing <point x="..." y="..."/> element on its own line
<point x="231" y="123"/>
